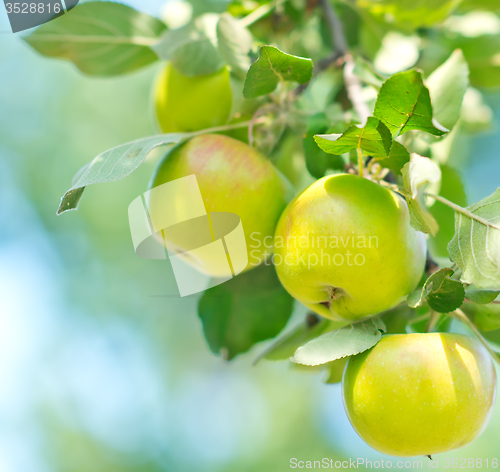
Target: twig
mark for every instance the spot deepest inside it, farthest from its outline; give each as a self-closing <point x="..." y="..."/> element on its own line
<point x="464" y="211"/>
<point x="352" y="83"/>
<point x="460" y="315"/>
<point x="360" y="161"/>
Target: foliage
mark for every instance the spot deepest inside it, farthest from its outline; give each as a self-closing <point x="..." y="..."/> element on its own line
<point x="314" y="90"/>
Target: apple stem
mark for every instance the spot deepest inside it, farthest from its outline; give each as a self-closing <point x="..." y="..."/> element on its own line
<point x="360" y="161"/>
<point x="433" y="321"/>
<point x="460" y="315"/>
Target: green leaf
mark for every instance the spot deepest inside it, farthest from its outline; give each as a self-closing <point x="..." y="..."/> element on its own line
<point x="343" y="342"/>
<point x="100" y="38"/>
<point x="403" y="104"/>
<point x="317" y="160"/>
<point x="453" y="190"/>
<point x="115" y="164"/>
<point x="365" y="71"/>
<point x="234" y="43"/>
<point x="396" y="319"/>
<point x="443" y="294"/>
<point x="475" y="248"/>
<point x="481" y="53"/>
<point x="274" y="66"/>
<point x="247" y="309"/>
<point x="447" y="86"/>
<point x="374" y="138"/>
<point x="482" y="297"/>
<point x="192" y="48"/>
<point x="284" y="346"/>
<point x="335" y="371"/>
<point x="418" y="175"/>
<point x="410" y="13"/>
<point x="485" y="317"/>
<point x="398" y="157"/>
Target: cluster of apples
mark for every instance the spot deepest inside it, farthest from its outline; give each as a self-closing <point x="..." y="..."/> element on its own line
<point x="411" y="394"/>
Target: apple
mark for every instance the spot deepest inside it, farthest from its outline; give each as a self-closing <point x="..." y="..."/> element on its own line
<point x="345" y="248"/>
<point x="184" y="104"/>
<point x="233" y="177"/>
<point x="420" y="394"/>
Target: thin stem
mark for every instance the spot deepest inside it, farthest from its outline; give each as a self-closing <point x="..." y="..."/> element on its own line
<point x="360" y="161"/>
<point x="242" y="124"/>
<point x="433" y="321"/>
<point x="260" y="12"/>
<point x="464" y="211"/>
<point x="352" y="83"/>
<point x="460" y="315"/>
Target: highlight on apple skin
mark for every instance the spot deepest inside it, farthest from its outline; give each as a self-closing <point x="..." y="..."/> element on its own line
<point x="420" y="394"/>
<point x="345" y="248"/>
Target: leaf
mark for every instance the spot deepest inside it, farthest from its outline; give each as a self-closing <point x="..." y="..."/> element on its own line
<point x="396" y="319"/>
<point x="365" y="71"/>
<point x="485" y="317"/>
<point x="403" y="104"/>
<point x="443" y="294"/>
<point x="100" y="38"/>
<point x="192" y="48"/>
<point x="398" y="157"/>
<point x="482" y="297"/>
<point x="475" y="248"/>
<point x="274" y="66"/>
<point x="234" y="43"/>
<point x="343" y="342"/>
<point x="247" y="309"/>
<point x="447" y="86"/>
<point x="374" y="138"/>
<point x="115" y="164"/>
<point x="453" y="190"/>
<point x="418" y="175"/>
<point x="284" y="346"/>
<point x="317" y="160"/>
<point x="410" y="13"/>
<point x="335" y="371"/>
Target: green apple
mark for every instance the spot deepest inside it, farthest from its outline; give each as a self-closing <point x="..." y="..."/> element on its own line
<point x="345" y="248"/>
<point x="420" y="394"/>
<point x="233" y="177"/>
<point x="183" y="104"/>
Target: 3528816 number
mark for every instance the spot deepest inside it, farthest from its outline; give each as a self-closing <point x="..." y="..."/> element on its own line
<point x="33" y="8"/>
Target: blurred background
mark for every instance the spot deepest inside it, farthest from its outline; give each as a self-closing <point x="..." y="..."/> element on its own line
<point x="97" y="371"/>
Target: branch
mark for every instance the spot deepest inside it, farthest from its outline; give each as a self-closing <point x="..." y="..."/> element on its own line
<point x="260" y="12"/>
<point x="352" y="83"/>
<point x="464" y="211"/>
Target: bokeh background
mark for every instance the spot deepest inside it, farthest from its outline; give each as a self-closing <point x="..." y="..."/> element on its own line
<point x="97" y="371"/>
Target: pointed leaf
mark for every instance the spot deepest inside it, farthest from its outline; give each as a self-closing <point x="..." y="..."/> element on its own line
<point x="398" y="157"/>
<point x="343" y="342"/>
<point x="475" y="247"/>
<point x="374" y="138"/>
<point x="403" y="104"/>
<point x="115" y="164"/>
<point x="234" y="42"/>
<point x="447" y="86"/>
<point x="249" y="308"/>
<point x="100" y="38"/>
<point x="274" y="66"/>
<point x="418" y="175"/>
<point x="443" y="294"/>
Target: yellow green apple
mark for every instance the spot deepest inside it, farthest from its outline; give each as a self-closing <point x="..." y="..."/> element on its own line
<point x="183" y="104"/>
<point x="232" y="177"/>
<point x="420" y="394"/>
<point x="345" y="248"/>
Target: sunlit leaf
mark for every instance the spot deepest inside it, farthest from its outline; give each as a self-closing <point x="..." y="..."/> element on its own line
<point x="100" y="38"/>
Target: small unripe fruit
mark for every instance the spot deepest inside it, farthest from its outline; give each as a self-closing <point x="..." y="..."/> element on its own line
<point x="420" y="394"/>
<point x="183" y="104"/>
<point x="345" y="248"/>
